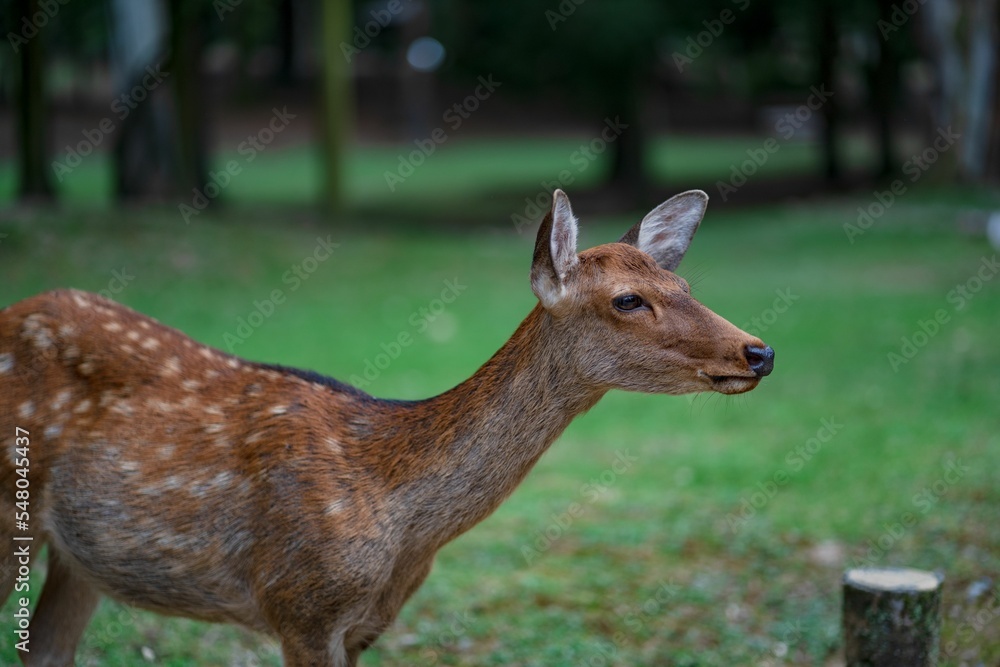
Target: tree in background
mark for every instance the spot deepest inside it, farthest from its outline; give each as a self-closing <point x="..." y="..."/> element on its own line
<point x="336" y="99"/>
<point x="962" y="41"/>
<point x="35" y="183"/>
<point x="596" y="56"/>
<point x="187" y="29"/>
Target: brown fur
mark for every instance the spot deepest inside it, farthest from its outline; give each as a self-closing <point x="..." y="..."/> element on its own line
<point x="177" y="478"/>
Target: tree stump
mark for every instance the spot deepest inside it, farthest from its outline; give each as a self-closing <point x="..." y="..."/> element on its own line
<point x="892" y="617"/>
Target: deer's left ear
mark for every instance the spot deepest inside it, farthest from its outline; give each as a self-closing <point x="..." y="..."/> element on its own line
<point x="555" y="251"/>
<point x="666" y="231"/>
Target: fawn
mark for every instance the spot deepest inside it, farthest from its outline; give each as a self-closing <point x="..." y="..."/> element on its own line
<point x="177" y="478"/>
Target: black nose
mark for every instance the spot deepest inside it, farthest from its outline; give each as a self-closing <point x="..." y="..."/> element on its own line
<point x="761" y="359"/>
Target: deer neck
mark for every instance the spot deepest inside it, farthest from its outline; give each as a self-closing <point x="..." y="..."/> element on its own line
<point x="478" y="441"/>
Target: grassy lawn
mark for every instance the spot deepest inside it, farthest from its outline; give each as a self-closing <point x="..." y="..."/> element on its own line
<point x="723" y="541"/>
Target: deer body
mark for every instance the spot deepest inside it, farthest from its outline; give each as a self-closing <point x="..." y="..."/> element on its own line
<point x="180" y="479"/>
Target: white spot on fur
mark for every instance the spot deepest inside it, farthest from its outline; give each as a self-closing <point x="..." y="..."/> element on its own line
<point x="143" y="324"/>
<point x="279" y="410"/>
<point x="214" y="410"/>
<point x="87" y="367"/>
<point x="159" y="405"/>
<point x="150" y="344"/>
<point x="333" y="445"/>
<point x="6" y="363"/>
<point x="190" y="385"/>
<point x="133" y="335"/>
<point x="207" y="353"/>
<point x="53" y="431"/>
<point x="123" y="408"/>
<point x="82" y="406"/>
<point x="60" y="400"/>
<point x="167" y="450"/>
<point x="80" y="301"/>
<point x="222" y="480"/>
<point x="112" y="326"/>
<point x="67" y="330"/>
<point x="127" y="349"/>
<point x="335" y="507"/>
<point x="172" y="483"/>
<point x="211" y="374"/>
<point x="128" y="466"/>
<point x="214" y="428"/>
<point x="172" y="367"/>
<point x="26" y="409"/>
<point x="232" y="363"/>
<point x="34" y="331"/>
<point x="254" y="437"/>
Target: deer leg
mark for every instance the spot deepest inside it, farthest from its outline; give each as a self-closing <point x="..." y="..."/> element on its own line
<point x="300" y="654"/>
<point x="63" y="611"/>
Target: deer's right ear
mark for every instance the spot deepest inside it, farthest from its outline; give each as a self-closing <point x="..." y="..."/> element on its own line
<point x="555" y="251"/>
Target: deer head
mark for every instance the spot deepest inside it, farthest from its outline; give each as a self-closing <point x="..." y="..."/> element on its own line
<point x="631" y="320"/>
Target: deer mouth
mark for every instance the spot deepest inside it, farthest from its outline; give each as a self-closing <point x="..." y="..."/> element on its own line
<point x="731" y="384"/>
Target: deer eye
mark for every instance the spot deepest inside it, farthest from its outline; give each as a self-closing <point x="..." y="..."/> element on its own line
<point x="628" y="302"/>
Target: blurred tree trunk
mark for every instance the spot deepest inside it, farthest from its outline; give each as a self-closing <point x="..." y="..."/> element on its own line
<point x="142" y="162"/>
<point x="883" y="83"/>
<point x="981" y="88"/>
<point x="286" y="42"/>
<point x="962" y="42"/>
<point x="993" y="154"/>
<point x="336" y="106"/>
<point x="628" y="147"/>
<point x="829" y="38"/>
<point x="35" y="183"/>
<point x="186" y="42"/>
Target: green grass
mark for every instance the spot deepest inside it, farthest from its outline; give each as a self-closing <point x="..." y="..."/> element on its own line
<point x="461" y="170"/>
<point x="659" y="569"/>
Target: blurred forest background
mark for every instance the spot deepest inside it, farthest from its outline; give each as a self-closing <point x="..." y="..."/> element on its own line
<point x="354" y="187"/>
<point x="357" y="75"/>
